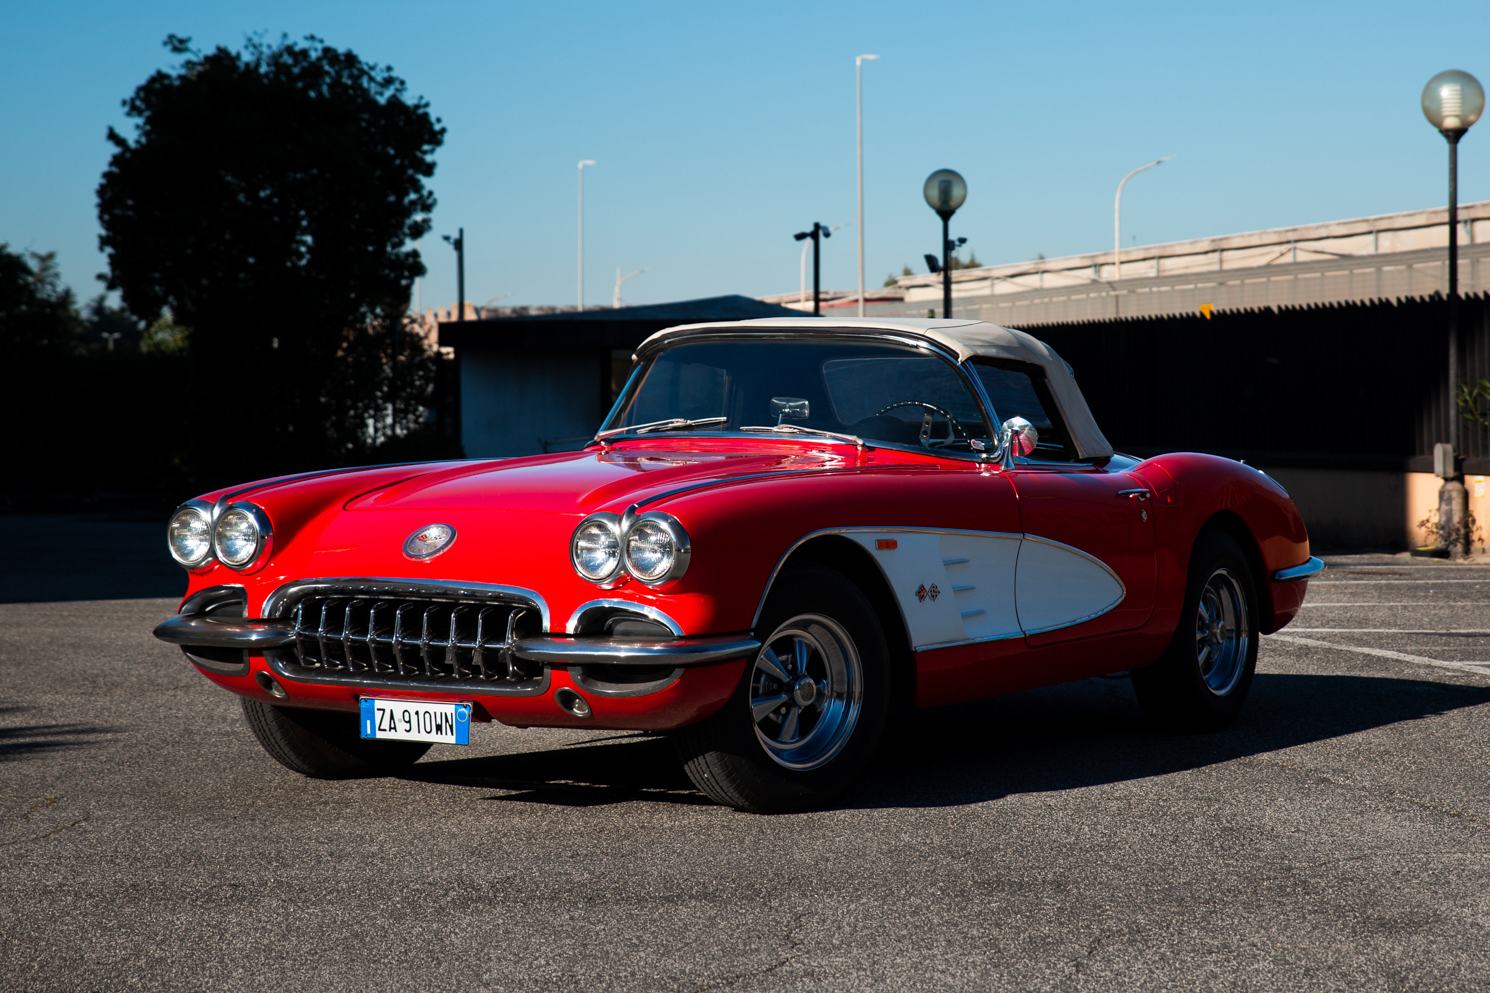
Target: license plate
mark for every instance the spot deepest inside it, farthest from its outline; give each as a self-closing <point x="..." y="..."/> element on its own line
<point x="405" y="720"/>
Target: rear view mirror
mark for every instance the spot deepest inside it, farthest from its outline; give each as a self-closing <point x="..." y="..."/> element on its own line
<point x="794" y="407"/>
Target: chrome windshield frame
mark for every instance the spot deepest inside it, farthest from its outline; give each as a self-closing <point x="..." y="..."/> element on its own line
<point x="969" y="379"/>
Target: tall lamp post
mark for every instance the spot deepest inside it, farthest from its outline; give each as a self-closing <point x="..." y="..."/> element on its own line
<point x="1452" y="101"/>
<point x="817" y="234"/>
<point x="459" y="244"/>
<point x="581" y="296"/>
<point x="1117" y="218"/>
<point x="859" y="61"/>
<point x="945" y="191"/>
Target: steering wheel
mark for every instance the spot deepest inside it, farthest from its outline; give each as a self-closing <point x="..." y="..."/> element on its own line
<point x="954" y="428"/>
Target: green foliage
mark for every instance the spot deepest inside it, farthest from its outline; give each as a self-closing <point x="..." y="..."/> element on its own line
<point x="164" y="336"/>
<point x="38" y="315"/>
<point x="971" y="263"/>
<point x="1474" y="402"/>
<point x="1462" y="535"/>
<point x="268" y="201"/>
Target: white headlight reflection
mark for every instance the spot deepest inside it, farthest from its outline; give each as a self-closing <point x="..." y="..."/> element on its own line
<point x="595" y="549"/>
<point x="189" y="536"/>
<point x="657" y="549"/>
<point x="240" y="535"/>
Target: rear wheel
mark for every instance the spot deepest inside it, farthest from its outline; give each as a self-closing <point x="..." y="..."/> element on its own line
<point x="1203" y="677"/>
<point x="811" y="705"/>
<point x="325" y="744"/>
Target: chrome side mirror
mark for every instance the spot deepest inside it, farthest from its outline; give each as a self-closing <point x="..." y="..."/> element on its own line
<point x="1017" y="437"/>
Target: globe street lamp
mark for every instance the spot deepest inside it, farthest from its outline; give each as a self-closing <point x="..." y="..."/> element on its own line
<point x="1452" y="101"/>
<point x="945" y="191"/>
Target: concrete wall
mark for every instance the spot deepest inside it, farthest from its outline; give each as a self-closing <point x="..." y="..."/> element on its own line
<point x="512" y="403"/>
<point x="1353" y="508"/>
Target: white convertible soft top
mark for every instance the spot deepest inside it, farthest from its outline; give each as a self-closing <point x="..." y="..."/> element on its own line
<point x="964" y="338"/>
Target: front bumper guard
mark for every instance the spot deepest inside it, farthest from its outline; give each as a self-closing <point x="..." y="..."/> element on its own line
<point x="258" y="635"/>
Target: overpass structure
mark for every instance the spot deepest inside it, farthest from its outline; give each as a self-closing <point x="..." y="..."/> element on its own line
<point x="1383" y="258"/>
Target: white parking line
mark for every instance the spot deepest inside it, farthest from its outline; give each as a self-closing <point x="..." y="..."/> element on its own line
<point x="1476" y="631"/>
<point x="1478" y="668"/>
<point x="1404" y="603"/>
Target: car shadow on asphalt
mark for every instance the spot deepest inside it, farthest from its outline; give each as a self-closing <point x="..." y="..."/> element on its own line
<point x="21" y="741"/>
<point x="1065" y="737"/>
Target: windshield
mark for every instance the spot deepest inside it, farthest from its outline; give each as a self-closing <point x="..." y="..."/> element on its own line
<point x="878" y="392"/>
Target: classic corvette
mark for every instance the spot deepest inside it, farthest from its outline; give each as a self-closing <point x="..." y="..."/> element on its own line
<point x="783" y="529"/>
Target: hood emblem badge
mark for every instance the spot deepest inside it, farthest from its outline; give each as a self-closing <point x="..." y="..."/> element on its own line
<point x="429" y="541"/>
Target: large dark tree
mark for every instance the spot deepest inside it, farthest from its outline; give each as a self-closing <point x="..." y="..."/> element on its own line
<point x="267" y="203"/>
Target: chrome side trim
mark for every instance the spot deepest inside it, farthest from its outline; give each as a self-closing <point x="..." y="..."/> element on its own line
<point x="618" y="652"/>
<point x="275" y="603"/>
<point x="225" y="632"/>
<point x="1293" y="574"/>
<point x="577" y="618"/>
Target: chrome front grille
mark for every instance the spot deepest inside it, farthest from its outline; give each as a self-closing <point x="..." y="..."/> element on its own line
<point x="416" y="641"/>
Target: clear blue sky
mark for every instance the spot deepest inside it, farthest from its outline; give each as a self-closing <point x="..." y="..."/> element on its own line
<point x="722" y="129"/>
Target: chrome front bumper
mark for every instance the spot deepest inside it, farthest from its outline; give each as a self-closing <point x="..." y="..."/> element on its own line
<point x="259" y="635"/>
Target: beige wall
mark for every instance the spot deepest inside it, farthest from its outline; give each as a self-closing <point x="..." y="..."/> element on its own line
<point x="1356" y="508"/>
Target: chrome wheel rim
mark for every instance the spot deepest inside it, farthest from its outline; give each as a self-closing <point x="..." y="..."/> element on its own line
<point x="1223" y="635"/>
<point x="806" y="686"/>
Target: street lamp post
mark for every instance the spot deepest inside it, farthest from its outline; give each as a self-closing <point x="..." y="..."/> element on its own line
<point x="459" y="244"/>
<point x="1452" y="101"/>
<point x="945" y="191"/>
<point x="615" y="300"/>
<point x="1117" y="218"/>
<point x="859" y="61"/>
<point x="817" y="234"/>
<point x="581" y="295"/>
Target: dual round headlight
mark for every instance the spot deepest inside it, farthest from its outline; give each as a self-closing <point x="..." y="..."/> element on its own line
<point x="652" y="548"/>
<point x="238" y="538"/>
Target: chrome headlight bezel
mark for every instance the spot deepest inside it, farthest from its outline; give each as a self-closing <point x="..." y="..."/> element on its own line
<point x="612" y="524"/>
<point x="681" y="548"/>
<point x="202" y="510"/>
<point x="263" y="534"/>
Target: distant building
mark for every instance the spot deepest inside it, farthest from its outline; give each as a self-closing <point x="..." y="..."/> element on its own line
<point x="535" y="380"/>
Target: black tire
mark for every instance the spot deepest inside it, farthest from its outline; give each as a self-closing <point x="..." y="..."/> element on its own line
<point x="325" y="744"/>
<point x="771" y="765"/>
<point x="1203" y="677"/>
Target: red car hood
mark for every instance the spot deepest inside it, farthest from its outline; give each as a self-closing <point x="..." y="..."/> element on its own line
<point x="578" y="482"/>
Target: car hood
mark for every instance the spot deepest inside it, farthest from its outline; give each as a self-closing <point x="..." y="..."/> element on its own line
<point x="579" y="482"/>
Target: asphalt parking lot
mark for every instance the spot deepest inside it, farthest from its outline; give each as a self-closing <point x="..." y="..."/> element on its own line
<point x="1335" y="838"/>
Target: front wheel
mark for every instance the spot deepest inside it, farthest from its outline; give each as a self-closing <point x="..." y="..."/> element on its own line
<point x="811" y="705"/>
<point x="325" y="744"/>
<point x="1202" y="679"/>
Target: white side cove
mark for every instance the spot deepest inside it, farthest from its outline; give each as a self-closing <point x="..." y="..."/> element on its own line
<point x="1059" y="586"/>
<point x="955" y="587"/>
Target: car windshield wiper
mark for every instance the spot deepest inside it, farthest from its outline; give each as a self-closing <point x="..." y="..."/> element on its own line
<point x="667" y="425"/>
<point x="850" y="439"/>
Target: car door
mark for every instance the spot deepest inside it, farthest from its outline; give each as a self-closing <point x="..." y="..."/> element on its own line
<point x="1086" y="564"/>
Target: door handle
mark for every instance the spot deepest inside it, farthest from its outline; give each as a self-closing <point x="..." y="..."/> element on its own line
<point x="1135" y="494"/>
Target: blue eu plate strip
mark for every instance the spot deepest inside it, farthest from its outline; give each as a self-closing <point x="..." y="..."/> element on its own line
<point x="462" y="723"/>
<point x="369" y="719"/>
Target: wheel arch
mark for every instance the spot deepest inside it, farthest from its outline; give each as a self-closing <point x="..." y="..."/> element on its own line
<point x="852" y="561"/>
<point x="1230" y="523"/>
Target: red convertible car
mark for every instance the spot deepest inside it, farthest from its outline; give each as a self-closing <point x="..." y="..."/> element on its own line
<point x="783" y="528"/>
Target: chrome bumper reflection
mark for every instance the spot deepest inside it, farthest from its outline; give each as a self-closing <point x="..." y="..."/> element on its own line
<point x="224" y="632"/>
<point x="580" y="650"/>
<point x="257" y="635"/>
<point x="1313" y="567"/>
